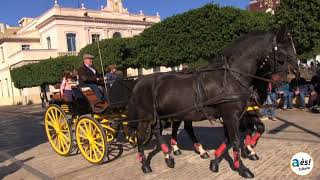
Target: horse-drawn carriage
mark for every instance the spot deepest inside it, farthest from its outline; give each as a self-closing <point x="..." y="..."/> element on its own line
<point x="210" y="93"/>
<point x="86" y="123"/>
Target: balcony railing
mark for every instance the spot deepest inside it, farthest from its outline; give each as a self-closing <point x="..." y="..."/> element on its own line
<point x="67" y="53"/>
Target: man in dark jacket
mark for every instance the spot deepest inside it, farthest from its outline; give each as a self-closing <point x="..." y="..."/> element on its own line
<point x="88" y="76"/>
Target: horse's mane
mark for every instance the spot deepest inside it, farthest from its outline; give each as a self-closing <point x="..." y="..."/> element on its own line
<point x="238" y="46"/>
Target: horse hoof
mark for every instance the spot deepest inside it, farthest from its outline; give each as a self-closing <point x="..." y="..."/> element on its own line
<point x="146" y="169"/>
<point x="205" y="155"/>
<point x="170" y="162"/>
<point x="253" y="157"/>
<point x="177" y="152"/>
<point x="214" y="166"/>
<point x="245" y="172"/>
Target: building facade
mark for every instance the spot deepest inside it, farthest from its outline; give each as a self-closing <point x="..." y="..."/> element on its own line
<point x="57" y="32"/>
<point x="264" y="5"/>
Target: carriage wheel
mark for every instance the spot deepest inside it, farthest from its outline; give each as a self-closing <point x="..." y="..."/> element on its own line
<point x="91" y="140"/>
<point x="58" y="130"/>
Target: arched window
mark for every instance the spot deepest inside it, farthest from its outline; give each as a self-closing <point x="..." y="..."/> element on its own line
<point x="116" y="35"/>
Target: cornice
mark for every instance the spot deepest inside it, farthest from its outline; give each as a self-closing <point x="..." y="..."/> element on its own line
<point x="96" y="20"/>
<point x="18" y="39"/>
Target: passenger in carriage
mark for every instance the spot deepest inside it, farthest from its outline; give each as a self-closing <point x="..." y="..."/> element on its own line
<point x="111" y="75"/>
<point x="66" y="86"/>
<point x="88" y="76"/>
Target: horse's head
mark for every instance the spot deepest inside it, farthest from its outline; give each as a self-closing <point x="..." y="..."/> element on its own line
<point x="284" y="54"/>
<point x="281" y="56"/>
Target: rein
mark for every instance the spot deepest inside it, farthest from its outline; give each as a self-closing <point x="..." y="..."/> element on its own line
<point x="211" y="101"/>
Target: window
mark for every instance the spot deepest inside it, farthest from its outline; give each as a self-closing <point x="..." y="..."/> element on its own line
<point x="1" y="88"/>
<point x="71" y="42"/>
<point x="116" y="35"/>
<point x="95" y="38"/>
<point x="2" y="54"/>
<point x="49" y="42"/>
<point x="25" y="47"/>
<point x="156" y="69"/>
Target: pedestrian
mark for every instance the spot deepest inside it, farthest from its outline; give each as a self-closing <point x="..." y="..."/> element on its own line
<point x="284" y="93"/>
<point x="298" y="89"/>
<point x="314" y="98"/>
<point x="269" y="109"/>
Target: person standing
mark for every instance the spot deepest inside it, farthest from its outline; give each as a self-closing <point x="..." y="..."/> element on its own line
<point x="269" y="109"/>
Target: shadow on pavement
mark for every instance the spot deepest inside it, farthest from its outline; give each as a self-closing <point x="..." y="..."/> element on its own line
<point x="11" y="168"/>
<point x="286" y="124"/>
<point x="19" y="132"/>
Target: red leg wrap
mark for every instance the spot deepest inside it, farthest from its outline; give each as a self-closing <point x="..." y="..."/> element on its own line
<point x="236" y="161"/>
<point x="164" y="148"/>
<point x="220" y="150"/>
<point x="255" y="138"/>
<point x="173" y="142"/>
<point x="247" y="141"/>
<point x="196" y="146"/>
<point x="139" y="157"/>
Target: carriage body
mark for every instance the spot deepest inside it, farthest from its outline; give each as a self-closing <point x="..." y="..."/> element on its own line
<point x="87" y="124"/>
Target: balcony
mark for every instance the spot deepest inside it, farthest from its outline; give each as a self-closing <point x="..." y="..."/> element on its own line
<point x="32" y="54"/>
<point x="23" y="57"/>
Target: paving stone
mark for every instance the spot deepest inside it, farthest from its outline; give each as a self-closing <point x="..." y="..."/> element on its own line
<point x="295" y="131"/>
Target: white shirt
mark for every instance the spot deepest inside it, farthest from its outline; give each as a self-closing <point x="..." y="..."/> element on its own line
<point x="93" y="70"/>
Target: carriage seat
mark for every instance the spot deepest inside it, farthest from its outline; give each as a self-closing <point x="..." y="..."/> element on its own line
<point x="96" y="104"/>
<point x="58" y="97"/>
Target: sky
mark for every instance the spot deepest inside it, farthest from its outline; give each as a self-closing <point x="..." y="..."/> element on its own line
<point x="11" y="11"/>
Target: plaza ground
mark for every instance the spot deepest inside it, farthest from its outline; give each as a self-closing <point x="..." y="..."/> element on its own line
<point x="26" y="154"/>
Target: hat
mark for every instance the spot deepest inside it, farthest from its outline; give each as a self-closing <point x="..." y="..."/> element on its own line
<point x="88" y="56"/>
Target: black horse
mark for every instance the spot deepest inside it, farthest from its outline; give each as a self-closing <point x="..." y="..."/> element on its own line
<point x="210" y="93"/>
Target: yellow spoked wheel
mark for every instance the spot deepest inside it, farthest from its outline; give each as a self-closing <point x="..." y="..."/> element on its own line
<point x="58" y="130"/>
<point x="91" y="140"/>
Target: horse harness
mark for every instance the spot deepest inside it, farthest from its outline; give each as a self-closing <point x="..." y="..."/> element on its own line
<point x="200" y="98"/>
<point x="201" y="102"/>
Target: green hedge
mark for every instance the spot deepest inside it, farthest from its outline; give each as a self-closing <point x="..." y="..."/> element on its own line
<point x="303" y="19"/>
<point x="117" y="50"/>
<point x="198" y="33"/>
<point x="45" y="72"/>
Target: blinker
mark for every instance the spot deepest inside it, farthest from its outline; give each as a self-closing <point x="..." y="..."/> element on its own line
<point x="276" y="48"/>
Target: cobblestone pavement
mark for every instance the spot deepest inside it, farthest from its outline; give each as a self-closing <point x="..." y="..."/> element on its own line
<point x="26" y="154"/>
